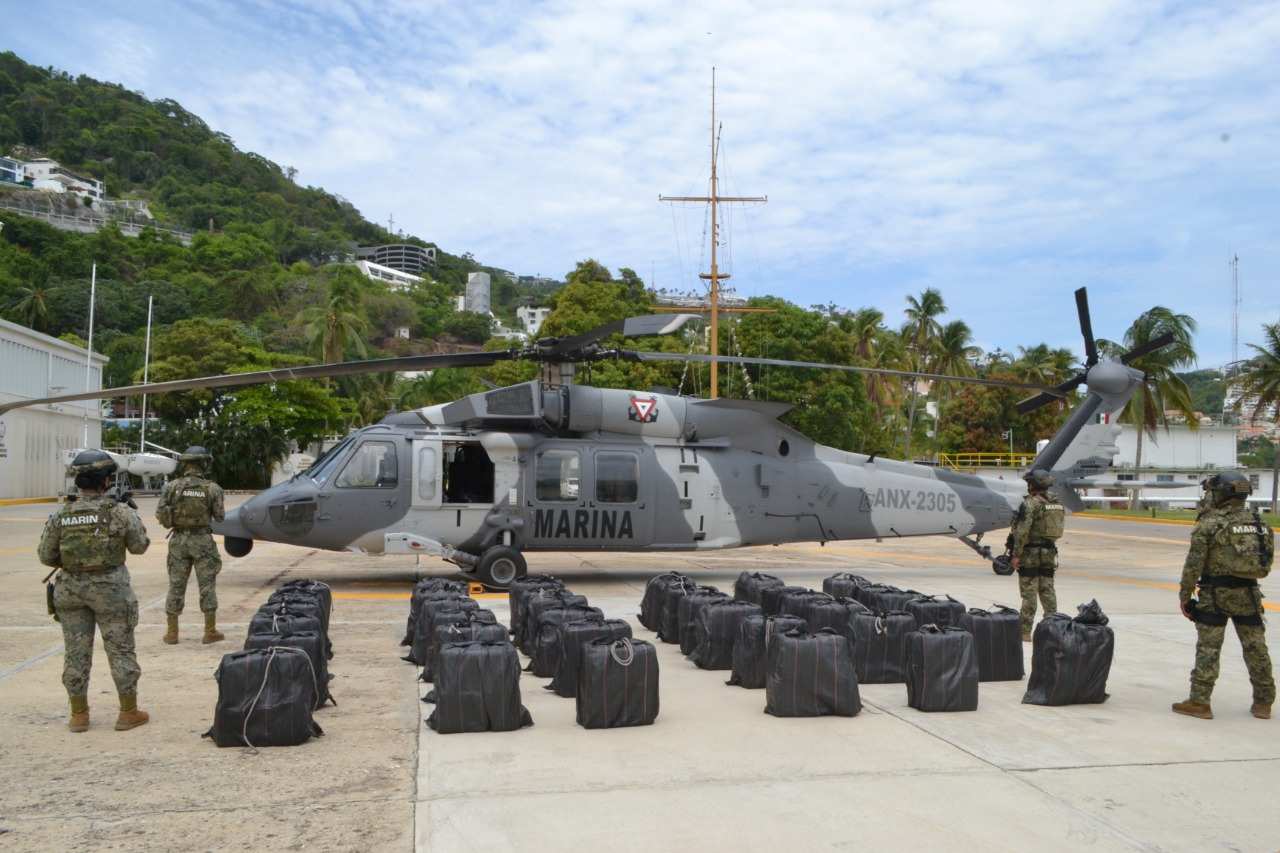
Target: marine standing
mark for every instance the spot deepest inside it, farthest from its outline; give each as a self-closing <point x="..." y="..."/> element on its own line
<point x="1034" y="547"/>
<point x="188" y="505"/>
<point x="86" y="540"/>
<point x="1231" y="549"/>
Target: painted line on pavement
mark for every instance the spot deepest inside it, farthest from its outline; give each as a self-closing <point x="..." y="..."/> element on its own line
<point x="400" y="596"/>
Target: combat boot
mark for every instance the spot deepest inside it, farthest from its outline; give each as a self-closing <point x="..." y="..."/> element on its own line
<point x="130" y="717"/>
<point x="171" y="635"/>
<point x="1193" y="709"/>
<point x="1259" y="710"/>
<point x="211" y="632"/>
<point x="79" y="721"/>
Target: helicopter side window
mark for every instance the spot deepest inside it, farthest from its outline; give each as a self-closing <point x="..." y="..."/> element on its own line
<point x="558" y="475"/>
<point x="616" y="478"/>
<point x="427" y="473"/>
<point x="372" y="466"/>
<point x="468" y="474"/>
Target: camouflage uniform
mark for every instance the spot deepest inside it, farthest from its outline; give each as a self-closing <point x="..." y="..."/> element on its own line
<point x="187" y="506"/>
<point x="87" y="540"/>
<point x="1229" y="545"/>
<point x="1036" y="530"/>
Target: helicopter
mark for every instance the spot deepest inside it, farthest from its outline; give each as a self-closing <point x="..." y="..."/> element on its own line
<point x="549" y="465"/>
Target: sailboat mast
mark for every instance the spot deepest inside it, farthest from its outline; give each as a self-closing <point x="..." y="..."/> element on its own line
<point x="146" y="367"/>
<point x="88" y="359"/>
<point x="715" y="239"/>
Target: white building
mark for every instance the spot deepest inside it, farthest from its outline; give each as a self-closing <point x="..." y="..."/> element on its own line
<point x="531" y="319"/>
<point x="478" y="293"/>
<point x="395" y="279"/>
<point x="12" y="171"/>
<point x="48" y="175"/>
<point x="32" y="441"/>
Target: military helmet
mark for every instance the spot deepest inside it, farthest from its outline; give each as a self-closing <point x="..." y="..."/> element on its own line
<point x="195" y="453"/>
<point x="92" y="462"/>
<point x="1229" y="485"/>
<point x="1039" y="479"/>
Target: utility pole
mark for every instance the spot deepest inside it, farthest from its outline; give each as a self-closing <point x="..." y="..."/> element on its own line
<point x="146" y="371"/>
<point x="88" y="356"/>
<point x="1235" y="308"/>
<point x="715" y="276"/>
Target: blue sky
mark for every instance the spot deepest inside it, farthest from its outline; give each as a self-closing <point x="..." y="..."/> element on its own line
<point x="1005" y="153"/>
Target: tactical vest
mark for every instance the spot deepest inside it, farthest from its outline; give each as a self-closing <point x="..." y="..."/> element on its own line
<point x="1048" y="522"/>
<point x="85" y="540"/>
<point x="190" y="504"/>
<point x="1241" y="545"/>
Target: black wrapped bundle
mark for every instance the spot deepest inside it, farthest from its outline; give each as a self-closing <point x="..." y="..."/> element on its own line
<point x="942" y="670"/>
<point x="617" y="684"/>
<point x="573" y="635"/>
<point x="834" y="613"/>
<point x="843" y="585"/>
<point x="997" y="637"/>
<point x="314" y="588"/>
<point x="478" y="689"/>
<point x="546" y="643"/>
<point x="886" y="598"/>
<point x="750" y="649"/>
<point x="519" y="592"/>
<point x="309" y="604"/>
<point x="716" y="629"/>
<point x="880" y="646"/>
<point x="473" y="630"/>
<point x="689" y="607"/>
<point x="654" y="590"/>
<point x="543" y="599"/>
<point x="431" y="604"/>
<point x="420" y="589"/>
<point x="442" y="619"/>
<point x="749" y="585"/>
<point x="1071" y="658"/>
<point x="309" y="642"/>
<point x="265" y="698"/>
<point x="811" y="675"/>
<point x="940" y="610"/>
<point x="798" y="603"/>
<point x="281" y="619"/>
<point x="771" y="597"/>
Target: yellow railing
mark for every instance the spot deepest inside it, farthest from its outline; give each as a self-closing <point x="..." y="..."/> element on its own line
<point x="985" y="460"/>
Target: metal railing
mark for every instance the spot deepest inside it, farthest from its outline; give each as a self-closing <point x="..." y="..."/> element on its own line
<point x="963" y="461"/>
<point x="93" y="223"/>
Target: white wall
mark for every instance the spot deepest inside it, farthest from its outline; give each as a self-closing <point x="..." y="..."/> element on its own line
<point x="1180" y="447"/>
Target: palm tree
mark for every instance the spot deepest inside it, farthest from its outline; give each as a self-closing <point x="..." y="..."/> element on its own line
<point x="1259" y="378"/>
<point x="875" y="346"/>
<point x="32" y="307"/>
<point x="921" y="329"/>
<point x="1162" y="390"/>
<point x="337" y="325"/>
<point x="953" y="354"/>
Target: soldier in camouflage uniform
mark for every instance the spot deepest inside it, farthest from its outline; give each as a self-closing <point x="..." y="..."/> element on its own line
<point x="187" y="507"/>
<point x="86" y="540"/>
<point x="1033" y="546"/>
<point x="1231" y="549"/>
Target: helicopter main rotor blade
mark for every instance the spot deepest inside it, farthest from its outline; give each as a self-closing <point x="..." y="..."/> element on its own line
<point x="1086" y="328"/>
<point x="632" y="327"/>
<point x="883" y="371"/>
<point x="282" y="374"/>
<point x="1147" y="348"/>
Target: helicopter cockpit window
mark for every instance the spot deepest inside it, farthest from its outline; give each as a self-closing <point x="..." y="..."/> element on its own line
<point x="616" y="478"/>
<point x="558" y="475"/>
<point x="323" y="467"/>
<point x="372" y="466"/>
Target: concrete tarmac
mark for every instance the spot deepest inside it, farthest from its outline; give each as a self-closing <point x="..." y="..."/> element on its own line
<point x="714" y="772"/>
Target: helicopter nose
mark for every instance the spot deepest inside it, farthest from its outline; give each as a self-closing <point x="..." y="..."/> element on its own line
<point x="236" y="523"/>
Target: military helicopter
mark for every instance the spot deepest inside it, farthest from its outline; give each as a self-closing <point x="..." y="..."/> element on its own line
<point x="548" y="465"/>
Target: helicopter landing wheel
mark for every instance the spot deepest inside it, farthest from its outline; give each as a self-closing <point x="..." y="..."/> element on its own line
<point x="499" y="566"/>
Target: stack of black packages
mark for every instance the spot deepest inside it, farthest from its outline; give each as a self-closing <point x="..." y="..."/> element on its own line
<point x="431" y="604"/>
<point x="456" y="625"/>
<point x="547" y="646"/>
<point x="771" y="598"/>
<point x="1071" y="658"/>
<point x="420" y="589"/>
<point x="997" y="636"/>
<point x="834" y="613"/>
<point x="811" y="675"/>
<point x="268" y="692"/>
<point x="575" y="635"/>
<point x="751" y="648"/>
<point x="669" y="610"/>
<point x="617" y="684"/>
<point x="880" y="646"/>
<point x="654" y="595"/>
<point x="519" y="592"/>
<point x="750" y="585"/>
<point x="798" y="603"/>
<point x="687" y="613"/>
<point x="844" y="585"/>
<point x="886" y="598"/>
<point x="478" y="688"/>
<point x="716" y="629"/>
<point x="942" y="670"/>
<point x="535" y="605"/>
<point x="940" y="610"/>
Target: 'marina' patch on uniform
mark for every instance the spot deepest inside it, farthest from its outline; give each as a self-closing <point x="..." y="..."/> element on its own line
<point x="77" y="520"/>
<point x="192" y="493"/>
<point x="1245" y="528"/>
<point x="582" y="524"/>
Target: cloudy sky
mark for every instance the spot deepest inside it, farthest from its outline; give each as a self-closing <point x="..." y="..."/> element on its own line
<point x="1005" y="153"/>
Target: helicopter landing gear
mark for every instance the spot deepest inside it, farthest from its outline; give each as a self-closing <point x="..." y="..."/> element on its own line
<point x="236" y="546"/>
<point x="499" y="566"/>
